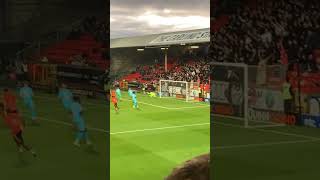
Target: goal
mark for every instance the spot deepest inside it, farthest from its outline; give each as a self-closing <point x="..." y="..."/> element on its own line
<point x="183" y="90"/>
<point x="251" y="94"/>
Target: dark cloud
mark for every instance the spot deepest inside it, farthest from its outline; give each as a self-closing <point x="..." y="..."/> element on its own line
<point x="138" y="17"/>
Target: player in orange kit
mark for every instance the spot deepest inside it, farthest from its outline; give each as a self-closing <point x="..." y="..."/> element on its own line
<point x="114" y="101"/>
<point x="14" y="123"/>
<point x="9" y="100"/>
<point x="9" y="112"/>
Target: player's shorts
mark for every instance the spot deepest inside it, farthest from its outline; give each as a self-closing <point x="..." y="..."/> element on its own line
<point x="76" y="117"/>
<point x="29" y="103"/>
<point x="14" y="111"/>
<point x="135" y="103"/>
<point x="80" y="124"/>
<point x="114" y="100"/>
<point x="67" y="105"/>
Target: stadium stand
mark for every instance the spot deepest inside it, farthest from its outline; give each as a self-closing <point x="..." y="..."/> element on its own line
<point x="191" y="70"/>
<point x="85" y="45"/>
<point x="186" y="58"/>
<point x="276" y="32"/>
<point x="272" y="30"/>
<point x="82" y="46"/>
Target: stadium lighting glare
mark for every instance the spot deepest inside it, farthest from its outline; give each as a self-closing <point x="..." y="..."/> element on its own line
<point x="194" y="47"/>
<point x="140" y="49"/>
<point x="164" y="48"/>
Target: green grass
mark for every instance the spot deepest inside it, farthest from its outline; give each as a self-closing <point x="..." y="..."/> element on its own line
<point x="148" y="143"/>
<point x="275" y="153"/>
<point x="57" y="157"/>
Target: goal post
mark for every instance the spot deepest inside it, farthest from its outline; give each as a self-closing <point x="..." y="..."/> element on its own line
<point x="247" y="93"/>
<point x="183" y="90"/>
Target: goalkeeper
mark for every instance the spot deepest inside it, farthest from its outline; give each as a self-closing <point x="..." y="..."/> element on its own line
<point x="152" y="94"/>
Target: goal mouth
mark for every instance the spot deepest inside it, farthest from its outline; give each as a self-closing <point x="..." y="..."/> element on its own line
<point x="250" y="94"/>
<point x="180" y="90"/>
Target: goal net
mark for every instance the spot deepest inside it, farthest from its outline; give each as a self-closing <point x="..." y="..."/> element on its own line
<point x="252" y="94"/>
<point x="188" y="91"/>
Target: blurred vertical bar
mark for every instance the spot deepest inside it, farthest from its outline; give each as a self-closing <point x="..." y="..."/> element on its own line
<point x="107" y="89"/>
<point x="212" y="8"/>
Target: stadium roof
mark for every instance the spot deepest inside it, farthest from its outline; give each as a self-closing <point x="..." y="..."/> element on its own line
<point x="164" y="39"/>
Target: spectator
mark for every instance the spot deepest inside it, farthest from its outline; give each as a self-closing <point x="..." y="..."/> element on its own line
<point x="254" y="32"/>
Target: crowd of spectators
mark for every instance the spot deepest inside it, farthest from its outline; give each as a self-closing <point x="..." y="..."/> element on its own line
<point x="190" y="71"/>
<point x="11" y="69"/>
<point x="99" y="30"/>
<point x="93" y="26"/>
<point x="274" y="31"/>
<point x="79" y="60"/>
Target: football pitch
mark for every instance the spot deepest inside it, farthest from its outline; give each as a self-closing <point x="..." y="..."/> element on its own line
<point x="53" y="140"/>
<point x="148" y="143"/>
<point x="277" y="153"/>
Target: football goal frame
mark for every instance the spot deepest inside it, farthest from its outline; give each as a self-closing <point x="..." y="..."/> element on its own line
<point x="223" y="72"/>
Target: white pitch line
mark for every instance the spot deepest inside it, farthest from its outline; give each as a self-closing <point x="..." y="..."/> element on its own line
<point x="268" y="131"/>
<point x="310" y="138"/>
<point x="192" y="125"/>
<point x="173" y="99"/>
<point x="57" y="100"/>
<point x="124" y="132"/>
<point x="264" y="144"/>
<point x="161" y="128"/>
<point x="69" y="124"/>
<point x="66" y="123"/>
<point x="169" y="108"/>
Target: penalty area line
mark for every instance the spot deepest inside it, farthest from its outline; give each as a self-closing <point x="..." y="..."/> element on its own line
<point x="123" y="132"/>
<point x="70" y="125"/>
<point x="170" y="108"/>
<point x="161" y="128"/>
<point x="268" y="131"/>
<point x="264" y="144"/>
<point x="58" y="100"/>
